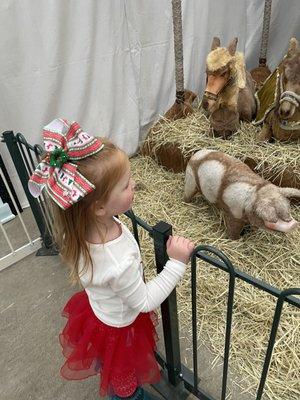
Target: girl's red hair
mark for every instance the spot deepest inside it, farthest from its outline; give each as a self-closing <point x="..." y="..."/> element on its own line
<point x="70" y="226"/>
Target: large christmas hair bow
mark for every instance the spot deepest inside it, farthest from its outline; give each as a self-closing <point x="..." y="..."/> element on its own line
<point x="57" y="173"/>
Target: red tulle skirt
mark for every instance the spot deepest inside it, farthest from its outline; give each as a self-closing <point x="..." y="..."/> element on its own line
<point x="123" y="357"/>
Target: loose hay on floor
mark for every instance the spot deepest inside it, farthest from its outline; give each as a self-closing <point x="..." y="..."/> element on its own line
<point x="273" y="160"/>
<point x="270" y="256"/>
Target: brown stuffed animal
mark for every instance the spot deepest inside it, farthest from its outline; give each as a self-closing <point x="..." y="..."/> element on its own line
<point x="279" y="99"/>
<point x="229" y="93"/>
<point x="244" y="196"/>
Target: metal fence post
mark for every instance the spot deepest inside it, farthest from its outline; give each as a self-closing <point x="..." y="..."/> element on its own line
<point x="12" y="146"/>
<point x="271" y="343"/>
<point x="161" y="232"/>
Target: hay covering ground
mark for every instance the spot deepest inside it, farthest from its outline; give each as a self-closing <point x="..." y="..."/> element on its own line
<point x="191" y="134"/>
<point x="272" y="257"/>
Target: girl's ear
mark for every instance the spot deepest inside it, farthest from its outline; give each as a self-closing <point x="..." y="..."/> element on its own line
<point x="99" y="209"/>
<point x="100" y="212"/>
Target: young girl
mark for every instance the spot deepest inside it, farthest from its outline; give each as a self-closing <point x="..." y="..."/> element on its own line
<point x="111" y="323"/>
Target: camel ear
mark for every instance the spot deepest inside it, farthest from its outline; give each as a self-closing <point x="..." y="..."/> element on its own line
<point x="290" y="192"/>
<point x="232" y="46"/>
<point x="215" y="43"/>
<point x="293" y="47"/>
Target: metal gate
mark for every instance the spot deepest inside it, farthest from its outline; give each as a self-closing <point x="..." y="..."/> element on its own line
<point x="25" y="158"/>
<point x="176" y="371"/>
<point x="11" y="209"/>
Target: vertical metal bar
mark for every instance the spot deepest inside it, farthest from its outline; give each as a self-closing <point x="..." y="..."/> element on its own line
<point x="271" y="343"/>
<point x="194" y="320"/>
<point x="228" y="326"/>
<point x="38" y="151"/>
<point x="19" y="164"/>
<point x="30" y="159"/>
<point x="44" y="204"/>
<point x="6" y="197"/>
<point x="230" y="269"/>
<point x="131" y="215"/>
<point x="15" y="205"/>
<point x="7" y="238"/>
<point x="161" y="232"/>
<point x="29" y="170"/>
<point x="41" y="200"/>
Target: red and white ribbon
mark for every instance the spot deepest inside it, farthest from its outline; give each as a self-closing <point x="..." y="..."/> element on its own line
<point x="57" y="173"/>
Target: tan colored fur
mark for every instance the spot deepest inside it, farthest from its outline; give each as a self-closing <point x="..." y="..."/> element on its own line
<point x="232" y="186"/>
<point x="218" y="58"/>
<point x="238" y="95"/>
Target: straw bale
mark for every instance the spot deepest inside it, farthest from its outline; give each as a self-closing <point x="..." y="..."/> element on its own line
<point x="172" y="143"/>
<point x="270" y="256"/>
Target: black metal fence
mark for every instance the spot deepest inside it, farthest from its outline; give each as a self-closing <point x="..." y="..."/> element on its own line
<point x="220" y="261"/>
<point x="25" y="158"/>
<point x="177" y="374"/>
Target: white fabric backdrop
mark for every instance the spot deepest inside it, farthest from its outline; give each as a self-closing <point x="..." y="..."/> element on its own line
<point x="109" y="64"/>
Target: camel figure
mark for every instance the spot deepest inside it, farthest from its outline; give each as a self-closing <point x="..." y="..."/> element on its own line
<point x="279" y="99"/>
<point x="229" y="93"/>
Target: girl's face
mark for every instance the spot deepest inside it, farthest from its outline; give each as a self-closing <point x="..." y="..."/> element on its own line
<point x="121" y="197"/>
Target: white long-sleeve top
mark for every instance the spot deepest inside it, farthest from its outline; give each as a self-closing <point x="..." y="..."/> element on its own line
<point x="117" y="292"/>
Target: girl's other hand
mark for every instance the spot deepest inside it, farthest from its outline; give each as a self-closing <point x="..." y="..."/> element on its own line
<point x="180" y="248"/>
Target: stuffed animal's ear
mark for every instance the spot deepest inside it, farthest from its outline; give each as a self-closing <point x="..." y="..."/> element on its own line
<point x="232" y="46"/>
<point x="293" y="47"/>
<point x="239" y="62"/>
<point x="290" y="192"/>
<point x="215" y="43"/>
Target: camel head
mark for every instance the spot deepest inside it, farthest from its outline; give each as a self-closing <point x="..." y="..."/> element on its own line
<point x="224" y="66"/>
<point x="289" y="101"/>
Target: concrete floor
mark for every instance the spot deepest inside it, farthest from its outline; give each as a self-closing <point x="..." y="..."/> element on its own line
<point x="16" y="233"/>
<point x="32" y="293"/>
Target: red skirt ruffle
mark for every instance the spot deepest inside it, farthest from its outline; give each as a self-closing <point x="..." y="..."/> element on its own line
<point x="123" y="357"/>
